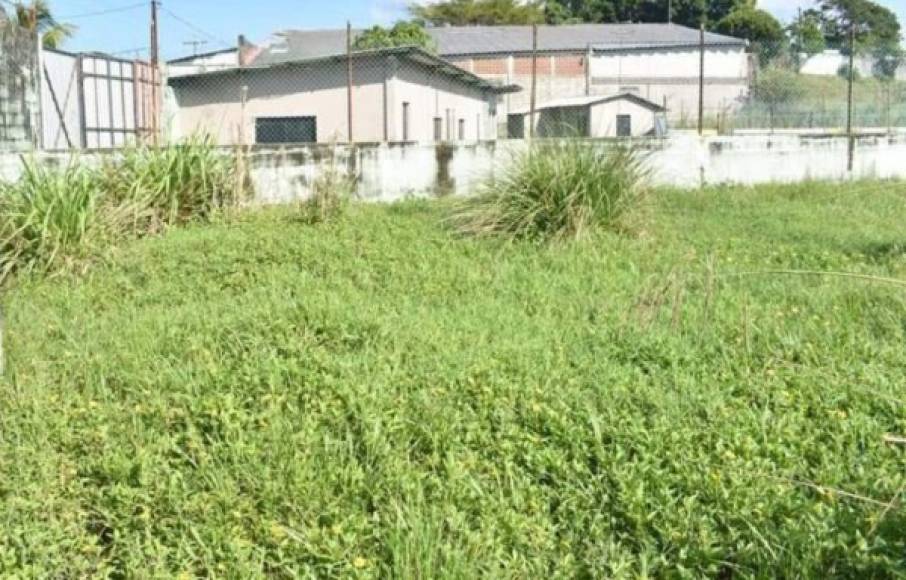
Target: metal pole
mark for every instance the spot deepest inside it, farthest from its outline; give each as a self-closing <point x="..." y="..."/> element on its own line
<point x="533" y="96"/>
<point x="349" y="80"/>
<point x="851" y="149"/>
<point x="701" y="81"/>
<point x="155" y="74"/>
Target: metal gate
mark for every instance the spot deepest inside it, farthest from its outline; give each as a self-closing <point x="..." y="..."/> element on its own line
<point x="94" y="101"/>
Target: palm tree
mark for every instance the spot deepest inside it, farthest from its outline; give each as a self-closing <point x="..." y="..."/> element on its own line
<point x="36" y="17"/>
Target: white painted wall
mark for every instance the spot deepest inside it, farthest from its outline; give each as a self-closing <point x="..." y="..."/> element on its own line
<point x="604" y="118"/>
<point x="433" y="95"/>
<point x="720" y="63"/>
<point x="204" y="63"/>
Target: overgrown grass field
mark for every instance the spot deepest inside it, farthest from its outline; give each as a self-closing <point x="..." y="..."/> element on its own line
<point x="378" y="396"/>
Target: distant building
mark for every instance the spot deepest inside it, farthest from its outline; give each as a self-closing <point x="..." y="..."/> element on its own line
<point x="399" y="95"/>
<point x="658" y="62"/>
<point x="621" y="115"/>
<point x="833" y="62"/>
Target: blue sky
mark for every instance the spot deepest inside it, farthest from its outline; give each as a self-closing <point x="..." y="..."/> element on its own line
<point x="218" y="22"/>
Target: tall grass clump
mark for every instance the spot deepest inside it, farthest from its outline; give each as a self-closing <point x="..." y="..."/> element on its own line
<point x="180" y="183"/>
<point x="559" y="190"/>
<point x="51" y="216"/>
<point x="331" y="192"/>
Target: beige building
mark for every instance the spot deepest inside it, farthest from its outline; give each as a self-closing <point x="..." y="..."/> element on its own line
<point x="398" y="95"/>
<point x="622" y="115"/>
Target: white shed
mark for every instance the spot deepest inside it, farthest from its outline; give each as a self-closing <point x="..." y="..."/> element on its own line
<point x="620" y="115"/>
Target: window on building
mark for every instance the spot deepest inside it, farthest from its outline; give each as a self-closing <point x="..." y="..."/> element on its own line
<point x="462" y="129"/>
<point x="405" y="121"/>
<point x="438" y="129"/>
<point x="624" y="125"/>
<point x="272" y="130"/>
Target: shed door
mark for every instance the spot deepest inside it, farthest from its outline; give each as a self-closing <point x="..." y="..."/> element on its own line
<point x="624" y="125"/>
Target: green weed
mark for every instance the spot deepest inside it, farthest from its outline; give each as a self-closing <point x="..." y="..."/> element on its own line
<point x="265" y="399"/>
<point x="559" y="190"/>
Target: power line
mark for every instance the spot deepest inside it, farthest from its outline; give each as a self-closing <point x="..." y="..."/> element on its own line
<point x="103" y="12"/>
<point x="195" y="28"/>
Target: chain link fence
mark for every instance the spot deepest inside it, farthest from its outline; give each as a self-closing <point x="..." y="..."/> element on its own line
<point x="304" y="87"/>
<point x="19" y="89"/>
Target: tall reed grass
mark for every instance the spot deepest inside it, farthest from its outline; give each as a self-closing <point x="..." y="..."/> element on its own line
<point x="52" y="217"/>
<point x="559" y="190"/>
<point x="180" y="183"/>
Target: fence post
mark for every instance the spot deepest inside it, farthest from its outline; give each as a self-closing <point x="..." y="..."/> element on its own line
<point x="533" y="96"/>
<point x="851" y="140"/>
<point x="349" y="114"/>
<point x="701" y="81"/>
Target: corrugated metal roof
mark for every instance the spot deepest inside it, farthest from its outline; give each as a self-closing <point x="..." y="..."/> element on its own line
<point x="411" y="53"/>
<point x="586" y="101"/>
<point x="480" y="40"/>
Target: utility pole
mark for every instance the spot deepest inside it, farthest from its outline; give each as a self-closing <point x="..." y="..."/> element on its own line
<point x="533" y="96"/>
<point x="851" y="148"/>
<point x="155" y="50"/>
<point x="155" y="74"/>
<point x="669" y="11"/>
<point x="195" y="44"/>
<point x="349" y="79"/>
<point x="701" y="81"/>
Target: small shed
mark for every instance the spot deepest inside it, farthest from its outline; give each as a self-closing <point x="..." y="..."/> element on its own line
<point x="596" y="116"/>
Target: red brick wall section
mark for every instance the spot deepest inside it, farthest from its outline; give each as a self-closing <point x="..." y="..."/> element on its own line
<point x="490" y="66"/>
<point x="567" y="65"/>
<point x="522" y="65"/>
<point x="570" y="65"/>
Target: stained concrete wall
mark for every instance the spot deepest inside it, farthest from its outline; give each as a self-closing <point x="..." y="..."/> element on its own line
<point x="396" y="171"/>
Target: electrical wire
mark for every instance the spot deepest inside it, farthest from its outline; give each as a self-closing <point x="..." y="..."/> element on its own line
<point x="195" y="28"/>
<point x="104" y="12"/>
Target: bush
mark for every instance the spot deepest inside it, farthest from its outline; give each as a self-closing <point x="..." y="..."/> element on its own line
<point x="178" y="183"/>
<point x="51" y="217"/>
<point x="559" y="190"/>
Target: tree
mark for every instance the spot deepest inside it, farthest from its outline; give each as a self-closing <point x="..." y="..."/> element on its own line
<point x="874" y="24"/>
<point x="887" y="60"/>
<point x="686" y="12"/>
<point x="775" y="87"/>
<point x="806" y="36"/>
<point x="402" y="33"/>
<point x="36" y="17"/>
<point x="758" y="27"/>
<point x="478" y="12"/>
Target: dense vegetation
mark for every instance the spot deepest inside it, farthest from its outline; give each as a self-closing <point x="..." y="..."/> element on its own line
<point x="57" y="218"/>
<point x="377" y="396"/>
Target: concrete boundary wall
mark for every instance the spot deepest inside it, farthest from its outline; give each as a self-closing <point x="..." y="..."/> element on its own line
<point x="392" y="172"/>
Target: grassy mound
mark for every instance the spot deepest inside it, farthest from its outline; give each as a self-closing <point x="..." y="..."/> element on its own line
<point x="374" y="398"/>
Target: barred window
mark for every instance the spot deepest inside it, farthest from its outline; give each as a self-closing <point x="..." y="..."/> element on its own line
<point x="272" y="130"/>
